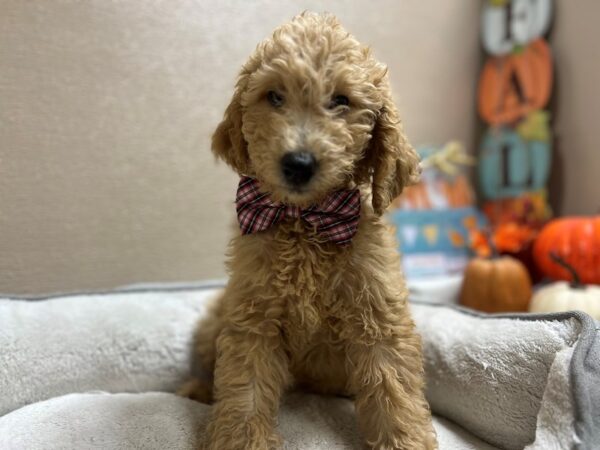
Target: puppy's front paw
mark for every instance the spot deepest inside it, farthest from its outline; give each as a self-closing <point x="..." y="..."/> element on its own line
<point x="253" y="434"/>
<point x="414" y="441"/>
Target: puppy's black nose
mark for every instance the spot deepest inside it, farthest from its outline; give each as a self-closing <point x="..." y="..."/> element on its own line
<point x="298" y="167"/>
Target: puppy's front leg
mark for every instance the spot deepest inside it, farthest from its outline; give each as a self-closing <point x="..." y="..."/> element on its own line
<point x="387" y="377"/>
<point x="250" y="374"/>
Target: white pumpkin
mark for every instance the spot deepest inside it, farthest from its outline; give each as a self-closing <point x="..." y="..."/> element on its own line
<point x="563" y="296"/>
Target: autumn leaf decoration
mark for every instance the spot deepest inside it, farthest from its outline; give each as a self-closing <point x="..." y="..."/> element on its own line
<point x="505" y="238"/>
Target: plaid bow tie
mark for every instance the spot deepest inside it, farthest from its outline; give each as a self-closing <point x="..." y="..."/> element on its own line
<point x="336" y="218"/>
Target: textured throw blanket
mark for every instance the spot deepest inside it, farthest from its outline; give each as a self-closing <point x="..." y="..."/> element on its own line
<point x="493" y="382"/>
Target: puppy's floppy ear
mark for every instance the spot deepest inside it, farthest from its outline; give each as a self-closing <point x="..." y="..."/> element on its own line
<point x="228" y="141"/>
<point x="390" y="159"/>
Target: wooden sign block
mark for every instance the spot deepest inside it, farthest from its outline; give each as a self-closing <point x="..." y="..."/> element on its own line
<point x="510" y="87"/>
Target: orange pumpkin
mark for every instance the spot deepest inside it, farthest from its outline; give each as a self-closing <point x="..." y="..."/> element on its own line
<point x="577" y="241"/>
<point x="499" y="284"/>
<point x="512" y="86"/>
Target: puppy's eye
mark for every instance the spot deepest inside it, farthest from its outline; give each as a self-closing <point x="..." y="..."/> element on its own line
<point x="275" y="99"/>
<point x="338" y="100"/>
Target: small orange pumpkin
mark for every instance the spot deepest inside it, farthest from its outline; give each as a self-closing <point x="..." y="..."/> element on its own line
<point x="499" y="284"/>
<point x="512" y="86"/>
<point x="576" y="240"/>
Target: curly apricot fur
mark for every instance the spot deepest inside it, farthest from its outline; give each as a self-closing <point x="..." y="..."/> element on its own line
<point x="298" y="310"/>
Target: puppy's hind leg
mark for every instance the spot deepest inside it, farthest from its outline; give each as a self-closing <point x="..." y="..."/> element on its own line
<point x="197" y="389"/>
<point x="200" y="387"/>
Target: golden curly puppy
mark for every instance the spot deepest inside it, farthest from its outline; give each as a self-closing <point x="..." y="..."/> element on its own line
<point x="312" y="115"/>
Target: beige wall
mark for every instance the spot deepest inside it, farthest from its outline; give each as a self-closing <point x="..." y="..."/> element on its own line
<point x="576" y="45"/>
<point x="106" y="108"/>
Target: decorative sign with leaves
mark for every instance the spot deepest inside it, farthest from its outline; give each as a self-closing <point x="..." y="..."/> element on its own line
<point x="515" y="87"/>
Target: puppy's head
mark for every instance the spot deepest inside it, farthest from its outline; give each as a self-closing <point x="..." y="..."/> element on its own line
<point x="312" y="113"/>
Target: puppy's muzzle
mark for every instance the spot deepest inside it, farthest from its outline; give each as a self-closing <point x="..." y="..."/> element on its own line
<point x="298" y="167"/>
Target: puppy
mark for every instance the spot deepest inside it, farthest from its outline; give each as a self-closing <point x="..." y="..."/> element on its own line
<point x="315" y="296"/>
